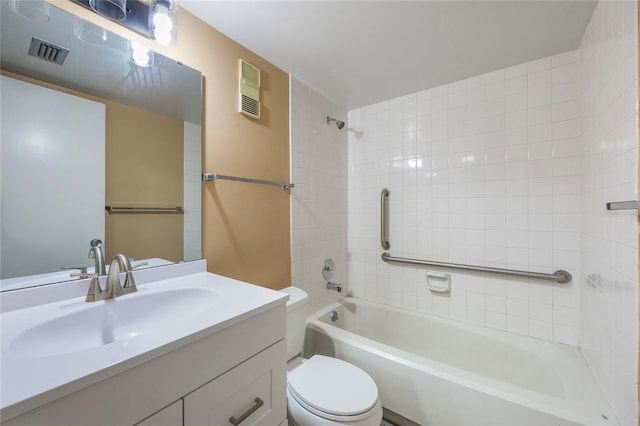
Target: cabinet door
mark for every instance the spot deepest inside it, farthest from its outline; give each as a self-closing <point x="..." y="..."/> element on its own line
<point x="252" y="393"/>
<point x="169" y="416"/>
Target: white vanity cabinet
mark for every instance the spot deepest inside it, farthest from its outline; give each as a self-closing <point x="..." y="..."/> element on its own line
<point x="253" y="393"/>
<point x="248" y="394"/>
<point x="204" y="378"/>
<point x="168" y="416"/>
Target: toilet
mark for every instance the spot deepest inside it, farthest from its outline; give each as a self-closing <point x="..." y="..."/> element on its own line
<point x="324" y="390"/>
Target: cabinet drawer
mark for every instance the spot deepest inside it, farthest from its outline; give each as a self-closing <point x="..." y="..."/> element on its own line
<point x="169" y="416"/>
<point x="251" y="393"/>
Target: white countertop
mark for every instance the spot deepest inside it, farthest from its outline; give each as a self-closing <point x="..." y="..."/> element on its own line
<point x="32" y="380"/>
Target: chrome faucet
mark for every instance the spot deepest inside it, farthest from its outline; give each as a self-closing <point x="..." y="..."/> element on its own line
<point x="96" y="253"/>
<point x="334" y="286"/>
<point x="120" y="263"/>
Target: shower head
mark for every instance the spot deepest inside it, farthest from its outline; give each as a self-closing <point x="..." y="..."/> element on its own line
<point x="339" y="123"/>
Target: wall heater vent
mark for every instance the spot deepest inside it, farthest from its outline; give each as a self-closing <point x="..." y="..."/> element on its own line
<point x="47" y="51"/>
<point x="249" y="89"/>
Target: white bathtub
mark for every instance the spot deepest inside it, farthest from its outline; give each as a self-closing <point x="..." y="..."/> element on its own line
<point x="436" y="371"/>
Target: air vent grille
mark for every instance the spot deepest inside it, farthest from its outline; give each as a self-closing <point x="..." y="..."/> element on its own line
<point x="47" y="51"/>
<point x="250" y="106"/>
<point x="250" y="73"/>
<point x="249" y="89"/>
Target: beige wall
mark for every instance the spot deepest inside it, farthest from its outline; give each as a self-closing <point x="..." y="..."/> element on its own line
<point x="246" y="231"/>
<point x="144" y="168"/>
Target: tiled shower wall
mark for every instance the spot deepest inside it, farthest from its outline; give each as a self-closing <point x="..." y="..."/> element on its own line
<point x="319" y="199"/>
<point x="482" y="171"/>
<point x="609" y="144"/>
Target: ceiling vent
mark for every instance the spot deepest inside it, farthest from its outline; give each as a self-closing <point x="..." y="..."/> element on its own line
<point x="47" y="51"/>
<point x="249" y="89"/>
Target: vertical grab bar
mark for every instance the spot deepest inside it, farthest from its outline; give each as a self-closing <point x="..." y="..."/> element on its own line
<point x="384" y="219"/>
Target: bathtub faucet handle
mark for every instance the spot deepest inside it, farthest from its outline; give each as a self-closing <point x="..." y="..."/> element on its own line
<point x="334" y="286"/>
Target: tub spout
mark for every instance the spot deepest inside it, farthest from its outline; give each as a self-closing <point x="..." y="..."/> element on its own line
<point x="334" y="286"/>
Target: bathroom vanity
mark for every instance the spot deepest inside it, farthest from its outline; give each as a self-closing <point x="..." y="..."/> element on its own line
<point x="188" y="348"/>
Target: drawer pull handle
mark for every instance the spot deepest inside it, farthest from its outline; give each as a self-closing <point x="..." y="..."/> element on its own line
<point x="250" y="411"/>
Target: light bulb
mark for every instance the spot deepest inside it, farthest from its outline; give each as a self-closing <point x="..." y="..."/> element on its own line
<point x="161" y="20"/>
<point x="163" y="38"/>
<point x="140" y="55"/>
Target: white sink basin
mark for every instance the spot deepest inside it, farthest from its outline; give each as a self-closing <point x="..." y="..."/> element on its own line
<point x="111" y="321"/>
<point x="51" y="347"/>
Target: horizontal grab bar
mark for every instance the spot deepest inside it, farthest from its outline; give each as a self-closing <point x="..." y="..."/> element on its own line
<point x="207" y="177"/>
<point x="133" y="209"/>
<point x="560" y="276"/>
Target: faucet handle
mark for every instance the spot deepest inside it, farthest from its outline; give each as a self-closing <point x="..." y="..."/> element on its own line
<point x="82" y="269"/>
<point x="95" y="291"/>
<point x="129" y="282"/>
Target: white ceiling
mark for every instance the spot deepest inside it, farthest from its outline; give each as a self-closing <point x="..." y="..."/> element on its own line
<point x="360" y="52"/>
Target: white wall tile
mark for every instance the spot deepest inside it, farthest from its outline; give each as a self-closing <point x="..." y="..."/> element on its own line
<point x="499" y="158"/>
<point x="319" y="162"/>
<point x="607" y="66"/>
<point x="516" y="167"/>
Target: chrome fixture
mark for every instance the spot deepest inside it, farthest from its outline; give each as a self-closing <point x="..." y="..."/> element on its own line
<point x="155" y="19"/>
<point x="97" y="253"/>
<point x="624" y="205"/>
<point x="113" y="9"/>
<point x="208" y="177"/>
<point x="339" y="124"/>
<point x="94" y="289"/>
<point x="328" y="266"/>
<point x="82" y="269"/>
<point x="333" y="316"/>
<point x="327" y="272"/>
<point x="257" y="404"/>
<point x="143" y="209"/>
<point x="384" y="219"/>
<point x="334" y="286"/>
<point x="560" y="276"/>
<point x="120" y="263"/>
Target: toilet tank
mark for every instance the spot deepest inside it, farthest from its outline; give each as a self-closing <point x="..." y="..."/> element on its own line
<point x="298" y="308"/>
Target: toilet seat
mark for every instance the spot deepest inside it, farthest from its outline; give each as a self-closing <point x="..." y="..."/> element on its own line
<point x="333" y="389"/>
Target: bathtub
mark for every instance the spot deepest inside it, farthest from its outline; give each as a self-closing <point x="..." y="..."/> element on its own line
<point x="436" y="371"/>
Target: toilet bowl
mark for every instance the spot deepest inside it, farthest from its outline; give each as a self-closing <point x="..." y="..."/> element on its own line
<point x="324" y="390"/>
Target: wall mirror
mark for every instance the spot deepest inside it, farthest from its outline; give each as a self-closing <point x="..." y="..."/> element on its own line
<point x="101" y="139"/>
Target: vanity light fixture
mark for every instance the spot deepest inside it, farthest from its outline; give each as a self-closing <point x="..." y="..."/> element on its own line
<point x="36" y="10"/>
<point x="112" y="9"/>
<point x="155" y="19"/>
<point x="161" y="21"/>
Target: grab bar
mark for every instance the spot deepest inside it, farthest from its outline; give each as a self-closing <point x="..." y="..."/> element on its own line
<point x="384" y="219"/>
<point x="560" y="276"/>
<point x="207" y="177"/>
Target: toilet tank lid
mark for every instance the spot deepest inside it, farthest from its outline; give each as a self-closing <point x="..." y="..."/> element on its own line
<point x="297" y="297"/>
